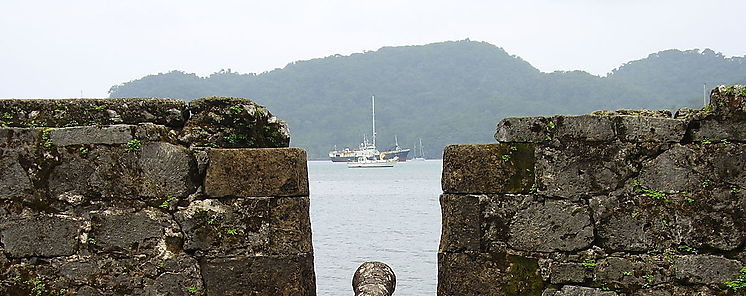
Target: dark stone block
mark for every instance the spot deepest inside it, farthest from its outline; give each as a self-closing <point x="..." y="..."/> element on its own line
<point x="259" y="275"/>
<point x="461" y="223"/>
<point x="108" y="135"/>
<point x="580" y="169"/>
<point x="256" y="172"/>
<point x="492" y="168"/>
<point x="523" y="130"/>
<point x="650" y="129"/>
<point x="706" y="269"/>
<point x="128" y="233"/>
<point x="551" y="226"/>
<point x="482" y="274"/>
<point x="167" y="170"/>
<point x="247" y="226"/>
<point x="42" y="236"/>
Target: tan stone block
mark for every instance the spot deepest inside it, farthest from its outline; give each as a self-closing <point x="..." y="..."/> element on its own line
<point x="257" y="172"/>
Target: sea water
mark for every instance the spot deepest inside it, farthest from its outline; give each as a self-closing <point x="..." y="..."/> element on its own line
<point x="390" y="215"/>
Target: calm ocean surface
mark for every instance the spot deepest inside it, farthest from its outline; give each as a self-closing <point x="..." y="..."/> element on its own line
<point x="375" y="214"/>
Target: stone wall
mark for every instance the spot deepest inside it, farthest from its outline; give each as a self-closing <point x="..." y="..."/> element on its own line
<point x="140" y="197"/>
<point x="629" y="202"/>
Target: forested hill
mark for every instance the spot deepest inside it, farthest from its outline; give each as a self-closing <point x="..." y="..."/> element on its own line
<point x="445" y="93"/>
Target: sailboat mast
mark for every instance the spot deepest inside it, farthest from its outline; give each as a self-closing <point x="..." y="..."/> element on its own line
<point x="373" y="104"/>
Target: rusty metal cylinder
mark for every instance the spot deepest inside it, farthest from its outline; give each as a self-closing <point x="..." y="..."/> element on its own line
<point x="374" y="279"/>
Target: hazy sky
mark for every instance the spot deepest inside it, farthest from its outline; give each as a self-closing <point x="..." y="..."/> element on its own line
<point x="56" y="49"/>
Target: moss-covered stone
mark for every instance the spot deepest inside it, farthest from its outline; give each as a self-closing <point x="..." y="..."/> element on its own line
<point x="491" y="168"/>
<point x="233" y="123"/>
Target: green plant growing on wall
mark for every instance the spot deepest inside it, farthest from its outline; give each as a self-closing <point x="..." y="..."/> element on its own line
<point x="687" y="249"/>
<point x="505" y="157"/>
<point x="589" y="263"/>
<point x="46" y="140"/>
<point x="192" y="289"/>
<point x="739" y="283"/>
<point x="707" y="183"/>
<point x="84" y="151"/>
<point x="735" y="190"/>
<point x="91" y="241"/>
<point x="259" y="113"/>
<point x="236" y="108"/>
<point x="167" y="203"/>
<point x="134" y="145"/>
<point x="649" y="279"/>
<point x="234" y="138"/>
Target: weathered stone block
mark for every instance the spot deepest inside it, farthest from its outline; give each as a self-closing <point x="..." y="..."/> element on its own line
<point x="256" y="172"/>
<point x="14" y="180"/>
<point x="523" y="130"/>
<point x="551" y="226"/>
<point x="625" y="226"/>
<point x="671" y="171"/>
<point x="578" y="291"/>
<point x="167" y="170"/>
<point x="107" y="135"/>
<point x="109" y="172"/>
<point x="706" y="269"/>
<point x="291" y="226"/>
<point x="259" y="275"/>
<point x="580" y="168"/>
<point x="589" y="128"/>
<point x="718" y="130"/>
<point x="492" y="168"/>
<point x="568" y="273"/>
<point x="650" y="129"/>
<point x="128" y="233"/>
<point x="247" y="226"/>
<point x="41" y="236"/>
<point x="482" y="274"/>
<point x="461" y="223"/>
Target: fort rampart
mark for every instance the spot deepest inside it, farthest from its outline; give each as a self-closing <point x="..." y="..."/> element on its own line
<point x="610" y="203"/>
<point x="151" y="197"/>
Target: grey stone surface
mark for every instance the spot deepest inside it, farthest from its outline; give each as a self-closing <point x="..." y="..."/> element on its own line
<point x="568" y="273"/>
<point x="491" y="168"/>
<point x="589" y="128"/>
<point x="256" y="172"/>
<point x="650" y="129"/>
<point x="461" y="223"/>
<point x="551" y="226"/>
<point x="259" y="275"/>
<point x="672" y="170"/>
<point x="108" y="135"/>
<point x="41" y="236"/>
<point x="706" y="269"/>
<point x="580" y="168"/>
<point x="14" y="180"/>
<point x="167" y="170"/>
<point x="578" y="291"/>
<point x="523" y="130"/>
<point x="128" y="233"/>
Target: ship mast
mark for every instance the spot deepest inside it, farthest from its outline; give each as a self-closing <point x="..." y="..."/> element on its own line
<point x="373" y="104"/>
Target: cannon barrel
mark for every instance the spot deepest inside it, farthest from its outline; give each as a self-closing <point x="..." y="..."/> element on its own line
<point x="374" y="279"/>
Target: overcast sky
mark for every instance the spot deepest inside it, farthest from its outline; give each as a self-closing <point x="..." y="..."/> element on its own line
<point x="56" y="49"/>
